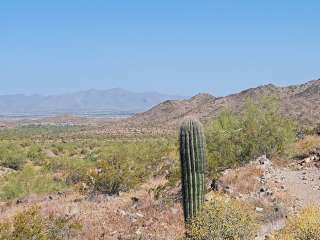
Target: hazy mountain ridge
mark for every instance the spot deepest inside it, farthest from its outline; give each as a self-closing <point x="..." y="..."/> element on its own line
<point x="112" y="100"/>
<point x="301" y="102"/>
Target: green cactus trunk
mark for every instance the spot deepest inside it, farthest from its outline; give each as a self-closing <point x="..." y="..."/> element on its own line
<point x="192" y="157"/>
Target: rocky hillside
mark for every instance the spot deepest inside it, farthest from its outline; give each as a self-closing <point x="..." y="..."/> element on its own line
<point x="301" y="102"/>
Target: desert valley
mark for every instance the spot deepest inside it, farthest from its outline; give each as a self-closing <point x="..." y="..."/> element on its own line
<point x="73" y="177"/>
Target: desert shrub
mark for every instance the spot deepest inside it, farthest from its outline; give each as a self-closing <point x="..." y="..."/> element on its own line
<point x="305" y="226"/>
<point x="258" y="129"/>
<point x="223" y="219"/>
<point x="112" y="176"/>
<point x="12" y="156"/>
<point x="121" y="166"/>
<point x="29" y="180"/>
<point x="91" y="156"/>
<point x="72" y="170"/>
<point x="35" y="154"/>
<point x="31" y="225"/>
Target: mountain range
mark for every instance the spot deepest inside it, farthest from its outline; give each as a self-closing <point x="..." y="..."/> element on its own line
<point x="112" y="101"/>
<point x="300" y="102"/>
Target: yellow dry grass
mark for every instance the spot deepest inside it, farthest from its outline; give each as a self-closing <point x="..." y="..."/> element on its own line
<point x="307" y="144"/>
<point x="243" y="179"/>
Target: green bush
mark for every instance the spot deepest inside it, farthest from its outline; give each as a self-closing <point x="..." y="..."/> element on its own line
<point x="31" y="225"/>
<point x="121" y="166"/>
<point x="258" y="129"/>
<point x="112" y="176"/>
<point x="223" y="219"/>
<point x="36" y="155"/>
<point x="12" y="156"/>
<point x="29" y="180"/>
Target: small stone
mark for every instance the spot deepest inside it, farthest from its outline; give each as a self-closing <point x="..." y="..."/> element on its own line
<point x="140" y="215"/>
<point x="258" y="209"/>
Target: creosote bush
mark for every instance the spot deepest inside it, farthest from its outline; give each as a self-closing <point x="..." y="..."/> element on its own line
<point x="305" y="226"/>
<point x="31" y="225"/>
<point x="223" y="219"/>
<point x="258" y="129"/>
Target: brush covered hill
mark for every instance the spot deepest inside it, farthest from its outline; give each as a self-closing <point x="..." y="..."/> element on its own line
<point x="301" y="102"/>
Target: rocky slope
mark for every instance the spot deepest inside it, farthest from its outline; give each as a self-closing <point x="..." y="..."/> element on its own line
<point x="298" y="101"/>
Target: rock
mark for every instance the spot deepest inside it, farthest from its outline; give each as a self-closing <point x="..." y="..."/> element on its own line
<point x="122" y="213"/>
<point x="216" y="185"/>
<point x="4" y="171"/>
<point x="140" y="215"/>
<point x="263" y="160"/>
<point x="258" y="209"/>
<point x="269" y="192"/>
<point x="228" y="190"/>
<point x="307" y="160"/>
<point x="135" y="199"/>
<point x="138" y="232"/>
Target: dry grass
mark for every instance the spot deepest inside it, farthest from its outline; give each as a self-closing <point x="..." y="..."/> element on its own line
<point x="304" y="226"/>
<point x="244" y="179"/>
<point x="132" y="215"/>
<point x="307" y="144"/>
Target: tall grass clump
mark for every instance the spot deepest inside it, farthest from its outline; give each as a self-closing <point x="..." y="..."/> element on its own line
<point x="258" y="129"/>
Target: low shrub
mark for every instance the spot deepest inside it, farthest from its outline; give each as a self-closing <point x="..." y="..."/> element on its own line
<point x="29" y="180"/>
<point x="113" y="175"/>
<point x="31" y="225"/>
<point x="36" y="155"/>
<point x="305" y="226"/>
<point x="121" y="166"/>
<point x="223" y="219"/>
<point x="12" y="156"/>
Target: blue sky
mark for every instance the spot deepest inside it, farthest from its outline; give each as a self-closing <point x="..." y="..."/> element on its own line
<point x="177" y="47"/>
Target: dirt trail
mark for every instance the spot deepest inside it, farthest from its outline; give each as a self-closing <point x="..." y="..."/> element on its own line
<point x="303" y="185"/>
<point x="302" y="188"/>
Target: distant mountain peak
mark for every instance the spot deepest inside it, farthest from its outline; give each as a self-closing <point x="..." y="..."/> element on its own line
<point x="88" y="101"/>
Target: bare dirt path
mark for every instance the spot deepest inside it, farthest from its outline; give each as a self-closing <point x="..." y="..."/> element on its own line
<point x="303" y="185"/>
<point x="301" y="188"/>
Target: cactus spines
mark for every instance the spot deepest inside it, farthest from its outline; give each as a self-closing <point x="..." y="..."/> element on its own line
<point x="192" y="157"/>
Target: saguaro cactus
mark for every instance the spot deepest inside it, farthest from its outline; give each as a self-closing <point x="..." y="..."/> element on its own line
<point x="192" y="157"/>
